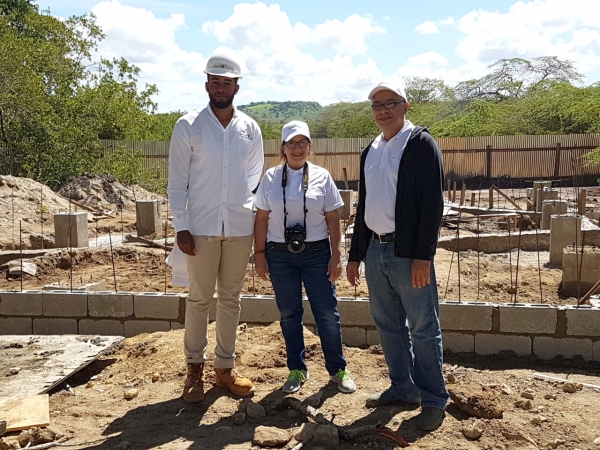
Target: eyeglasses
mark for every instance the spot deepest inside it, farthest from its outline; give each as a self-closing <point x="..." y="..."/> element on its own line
<point x="386" y="105"/>
<point x="294" y="144"/>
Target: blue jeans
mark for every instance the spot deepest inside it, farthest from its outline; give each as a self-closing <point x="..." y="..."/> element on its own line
<point x="288" y="271"/>
<point x="415" y="365"/>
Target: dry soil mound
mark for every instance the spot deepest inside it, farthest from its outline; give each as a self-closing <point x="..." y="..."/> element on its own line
<point x="105" y="192"/>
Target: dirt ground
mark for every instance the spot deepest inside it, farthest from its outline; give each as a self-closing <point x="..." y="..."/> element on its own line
<point x="96" y="415"/>
<point x="132" y="260"/>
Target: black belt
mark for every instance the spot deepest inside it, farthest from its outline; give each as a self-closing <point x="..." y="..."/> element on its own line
<point x="284" y="246"/>
<point x="387" y="237"/>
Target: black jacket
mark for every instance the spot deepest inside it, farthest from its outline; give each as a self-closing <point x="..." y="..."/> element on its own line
<point x="419" y="201"/>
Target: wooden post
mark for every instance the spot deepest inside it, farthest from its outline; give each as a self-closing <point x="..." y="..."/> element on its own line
<point x="472" y="198"/>
<point x="581" y="201"/>
<point x="448" y="182"/>
<point x="491" y="196"/>
<point x="488" y="161"/>
<point x="557" y="161"/>
<point x="463" y="192"/>
<point x="454" y="192"/>
<point x="345" y="178"/>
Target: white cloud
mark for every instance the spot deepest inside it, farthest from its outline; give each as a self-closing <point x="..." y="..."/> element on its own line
<point x="149" y="43"/>
<point x="428" y="59"/>
<point x="427" y="28"/>
<point x="279" y="56"/>
<point x="534" y="28"/>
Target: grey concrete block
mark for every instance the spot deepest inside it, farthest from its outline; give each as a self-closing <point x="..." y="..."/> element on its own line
<point x="135" y="327"/>
<point x="523" y="319"/>
<point x="353" y="336"/>
<point x="110" y="304"/>
<point x="458" y="342"/>
<point x="466" y="316"/>
<point x="307" y="318"/>
<point x="177" y="326"/>
<point x="492" y="344"/>
<point x="596" y="351"/>
<point x="259" y="310"/>
<point x="155" y="305"/>
<point x="71" y="229"/>
<point x="101" y="327"/>
<point x="355" y="312"/>
<point x="25" y="303"/>
<point x="373" y="337"/>
<point x="64" y="304"/>
<point x="54" y="326"/>
<point x="583" y="321"/>
<point x="16" y="325"/>
<point x="548" y="348"/>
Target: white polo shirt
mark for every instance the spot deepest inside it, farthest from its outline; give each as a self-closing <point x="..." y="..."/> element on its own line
<point x="381" y="180"/>
<point x="212" y="173"/>
<point x="322" y="196"/>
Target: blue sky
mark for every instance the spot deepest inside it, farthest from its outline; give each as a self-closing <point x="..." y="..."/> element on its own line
<point x="329" y="51"/>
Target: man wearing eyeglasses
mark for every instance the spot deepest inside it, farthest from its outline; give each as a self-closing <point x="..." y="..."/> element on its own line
<point x="396" y="229"/>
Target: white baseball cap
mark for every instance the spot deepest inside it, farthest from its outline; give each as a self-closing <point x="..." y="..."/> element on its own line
<point x="223" y="66"/>
<point x="294" y="128"/>
<point x="396" y="88"/>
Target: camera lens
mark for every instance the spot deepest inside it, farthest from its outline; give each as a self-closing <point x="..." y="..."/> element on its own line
<point x="296" y="246"/>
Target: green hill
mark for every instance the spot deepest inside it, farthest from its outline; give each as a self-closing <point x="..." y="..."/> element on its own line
<point x="281" y="111"/>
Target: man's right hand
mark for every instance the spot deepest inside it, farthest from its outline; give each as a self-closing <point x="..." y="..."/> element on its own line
<point x="185" y="242"/>
<point x="353" y="273"/>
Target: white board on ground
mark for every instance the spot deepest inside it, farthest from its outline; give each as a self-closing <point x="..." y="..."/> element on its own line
<point x="39" y="363"/>
<point x="24" y="413"/>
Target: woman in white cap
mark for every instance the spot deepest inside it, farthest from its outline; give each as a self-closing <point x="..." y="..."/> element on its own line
<point x="298" y="241"/>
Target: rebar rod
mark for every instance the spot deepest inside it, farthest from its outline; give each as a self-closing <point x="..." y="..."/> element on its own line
<point x="518" y="258"/>
<point x="21" y="251"/>
<point x="112" y="258"/>
<point x="42" y="213"/>
<point x="174" y="243"/>
<point x="70" y="247"/>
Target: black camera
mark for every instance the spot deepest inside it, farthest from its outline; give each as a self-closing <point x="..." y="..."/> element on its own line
<point x="294" y="238"/>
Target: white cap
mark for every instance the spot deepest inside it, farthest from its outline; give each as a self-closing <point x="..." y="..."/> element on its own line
<point x="294" y="128"/>
<point x="223" y="66"/>
<point x="397" y="88"/>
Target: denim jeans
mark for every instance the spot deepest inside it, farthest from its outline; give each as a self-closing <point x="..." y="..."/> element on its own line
<point x="414" y="357"/>
<point x="288" y="271"/>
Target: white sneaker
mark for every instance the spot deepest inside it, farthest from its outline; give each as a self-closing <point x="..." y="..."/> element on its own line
<point x="295" y="381"/>
<point x="344" y="382"/>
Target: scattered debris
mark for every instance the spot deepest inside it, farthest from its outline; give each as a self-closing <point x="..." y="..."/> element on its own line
<point x="473" y="429"/>
<point x="476" y="405"/>
<point x="131" y="393"/>
<point x="270" y="436"/>
<point x="524" y="404"/>
<point x="572" y="387"/>
<point x="2" y="427"/>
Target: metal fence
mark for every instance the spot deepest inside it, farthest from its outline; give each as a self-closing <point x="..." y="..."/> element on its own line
<point x="518" y="157"/>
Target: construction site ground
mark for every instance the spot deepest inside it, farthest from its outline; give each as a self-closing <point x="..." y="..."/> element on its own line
<point x="95" y="415"/>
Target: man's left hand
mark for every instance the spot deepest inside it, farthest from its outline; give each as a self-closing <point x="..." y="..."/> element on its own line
<point x="420" y="273"/>
<point x="334" y="268"/>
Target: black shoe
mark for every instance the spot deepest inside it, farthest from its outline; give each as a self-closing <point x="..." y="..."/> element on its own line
<point x="386" y="398"/>
<point x="430" y="418"/>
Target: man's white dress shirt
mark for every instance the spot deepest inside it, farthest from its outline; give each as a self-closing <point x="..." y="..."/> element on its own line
<point x="212" y="173"/>
<point x="381" y="180"/>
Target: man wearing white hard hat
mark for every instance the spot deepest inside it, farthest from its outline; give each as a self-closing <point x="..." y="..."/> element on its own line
<point x="396" y="229"/>
<point x="215" y="163"/>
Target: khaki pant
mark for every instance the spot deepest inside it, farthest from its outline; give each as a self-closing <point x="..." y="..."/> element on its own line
<point x="223" y="260"/>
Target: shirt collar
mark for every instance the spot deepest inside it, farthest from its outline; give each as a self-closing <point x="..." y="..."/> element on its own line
<point x="407" y="128"/>
<point x="212" y="113"/>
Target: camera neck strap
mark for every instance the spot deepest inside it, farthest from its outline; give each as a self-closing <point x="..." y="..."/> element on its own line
<point x="284" y="177"/>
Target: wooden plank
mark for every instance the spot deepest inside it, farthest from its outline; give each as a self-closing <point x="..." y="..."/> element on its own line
<point x="45" y="361"/>
<point x="24" y="413"/>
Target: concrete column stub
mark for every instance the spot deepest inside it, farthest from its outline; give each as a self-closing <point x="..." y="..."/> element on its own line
<point x="147" y="217"/>
<point x="71" y="230"/>
<point x="564" y="230"/>
<point x="550" y="208"/>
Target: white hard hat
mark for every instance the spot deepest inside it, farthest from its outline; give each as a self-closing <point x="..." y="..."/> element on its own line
<point x="294" y="128"/>
<point x="396" y="88"/>
<point x="223" y="66"/>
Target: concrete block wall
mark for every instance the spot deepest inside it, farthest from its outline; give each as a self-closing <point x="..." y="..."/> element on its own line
<point x="469" y="327"/>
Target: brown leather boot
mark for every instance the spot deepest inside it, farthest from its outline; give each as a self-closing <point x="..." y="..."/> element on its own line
<point x="193" y="389"/>
<point x="228" y="379"/>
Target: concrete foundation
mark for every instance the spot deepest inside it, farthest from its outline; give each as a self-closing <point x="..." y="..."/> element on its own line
<point x="564" y="230"/>
<point x="71" y="230"/>
<point x="551" y="208"/>
<point x="538" y="186"/>
<point x="147" y="217"/>
<point x="348" y="209"/>
<point x="580" y="271"/>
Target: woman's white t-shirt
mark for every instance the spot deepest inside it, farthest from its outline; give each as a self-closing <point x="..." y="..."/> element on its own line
<point x="322" y="196"/>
